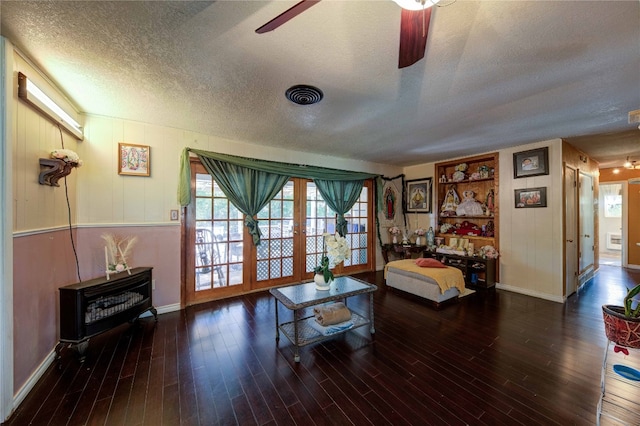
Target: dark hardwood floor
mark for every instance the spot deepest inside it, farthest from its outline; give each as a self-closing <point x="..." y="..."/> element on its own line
<point x="494" y="358"/>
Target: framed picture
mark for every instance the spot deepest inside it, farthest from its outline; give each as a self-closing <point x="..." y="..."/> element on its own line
<point x="134" y="160"/>
<point x="534" y="162"/>
<point x="530" y="197"/>
<point x="392" y="204"/>
<point x="418" y="196"/>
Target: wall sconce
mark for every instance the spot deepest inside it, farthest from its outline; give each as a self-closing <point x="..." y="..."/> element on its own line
<point x="583" y="158"/>
<point x="31" y="94"/>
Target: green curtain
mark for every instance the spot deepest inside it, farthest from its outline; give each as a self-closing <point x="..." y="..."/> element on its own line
<point x="286" y="169"/>
<point x="248" y="189"/>
<point x="340" y="196"/>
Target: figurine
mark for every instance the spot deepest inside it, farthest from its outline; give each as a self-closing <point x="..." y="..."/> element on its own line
<point x="450" y="203"/>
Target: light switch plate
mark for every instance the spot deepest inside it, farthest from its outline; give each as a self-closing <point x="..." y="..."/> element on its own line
<point x="174" y="214"/>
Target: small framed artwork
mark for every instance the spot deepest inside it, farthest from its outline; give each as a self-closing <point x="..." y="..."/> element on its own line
<point x="418" y="196"/>
<point x="134" y="160"/>
<point x="534" y="162"/>
<point x="530" y="197"/>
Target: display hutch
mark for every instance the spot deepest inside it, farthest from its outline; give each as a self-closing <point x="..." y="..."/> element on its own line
<point x="476" y="225"/>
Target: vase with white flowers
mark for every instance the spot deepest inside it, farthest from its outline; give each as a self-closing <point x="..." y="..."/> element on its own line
<point x="420" y="232"/>
<point x="335" y="250"/>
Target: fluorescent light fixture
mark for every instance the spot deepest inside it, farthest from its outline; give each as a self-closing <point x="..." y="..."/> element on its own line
<point x="416" y="4"/>
<point x="31" y="94"/>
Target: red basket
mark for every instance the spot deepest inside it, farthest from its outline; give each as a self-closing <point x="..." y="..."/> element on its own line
<point x="619" y="329"/>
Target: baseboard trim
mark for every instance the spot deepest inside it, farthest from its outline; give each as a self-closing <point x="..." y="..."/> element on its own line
<point x="527" y="292"/>
<point x="32" y="380"/>
<point x="163" y="310"/>
<point x="50" y="358"/>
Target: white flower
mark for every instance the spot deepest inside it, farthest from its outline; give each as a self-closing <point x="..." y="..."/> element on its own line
<point x="338" y="248"/>
<point x="120" y="267"/>
<point x="420" y="231"/>
<point x="67" y="156"/>
<point x="394" y="230"/>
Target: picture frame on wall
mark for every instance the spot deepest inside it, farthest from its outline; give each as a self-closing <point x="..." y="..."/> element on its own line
<point x="530" y="197"/>
<point x="418" y="195"/>
<point x="134" y="160"/>
<point x="534" y="162"/>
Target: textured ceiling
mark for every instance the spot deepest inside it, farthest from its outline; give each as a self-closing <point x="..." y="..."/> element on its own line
<point x="495" y="74"/>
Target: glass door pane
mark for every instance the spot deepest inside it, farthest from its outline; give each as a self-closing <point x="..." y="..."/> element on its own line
<point x="275" y="254"/>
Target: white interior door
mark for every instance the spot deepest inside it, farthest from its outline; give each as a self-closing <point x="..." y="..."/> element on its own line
<point x="571" y="231"/>
<point x="587" y="228"/>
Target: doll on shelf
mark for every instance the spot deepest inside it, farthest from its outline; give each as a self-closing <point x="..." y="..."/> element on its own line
<point x="469" y="205"/>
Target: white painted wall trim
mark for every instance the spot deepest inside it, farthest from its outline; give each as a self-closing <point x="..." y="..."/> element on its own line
<point x="6" y="226"/>
<point x="163" y="310"/>
<point x="30" y="232"/>
<point x="33" y="379"/>
<point x="527" y="292"/>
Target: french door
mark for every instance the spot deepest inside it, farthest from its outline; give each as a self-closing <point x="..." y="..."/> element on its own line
<point x="221" y="259"/>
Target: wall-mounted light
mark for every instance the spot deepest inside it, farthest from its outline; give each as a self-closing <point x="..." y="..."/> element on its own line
<point x="31" y="94"/>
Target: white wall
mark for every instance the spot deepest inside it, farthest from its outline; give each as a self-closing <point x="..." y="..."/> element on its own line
<point x="104" y="197"/>
<point x="531" y="239"/>
<point x="37" y="207"/>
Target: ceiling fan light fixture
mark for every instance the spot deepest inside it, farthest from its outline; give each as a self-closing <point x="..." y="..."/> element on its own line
<point x="416" y="4"/>
<point x="631" y="164"/>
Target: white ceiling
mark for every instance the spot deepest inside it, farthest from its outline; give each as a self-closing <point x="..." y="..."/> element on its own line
<point x="495" y="74"/>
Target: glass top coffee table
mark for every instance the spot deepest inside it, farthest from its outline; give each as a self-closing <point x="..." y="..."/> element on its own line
<point x="300" y="296"/>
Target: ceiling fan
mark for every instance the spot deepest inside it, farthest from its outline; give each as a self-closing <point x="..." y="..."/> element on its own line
<point x="414" y="26"/>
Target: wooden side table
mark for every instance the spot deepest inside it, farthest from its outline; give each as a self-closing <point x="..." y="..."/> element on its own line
<point x="400" y="251"/>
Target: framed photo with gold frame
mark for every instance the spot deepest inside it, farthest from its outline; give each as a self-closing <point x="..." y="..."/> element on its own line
<point x="134" y="160"/>
<point x="418" y="195"/>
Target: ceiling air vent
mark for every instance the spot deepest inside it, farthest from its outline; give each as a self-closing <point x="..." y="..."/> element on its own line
<point x="303" y="94"/>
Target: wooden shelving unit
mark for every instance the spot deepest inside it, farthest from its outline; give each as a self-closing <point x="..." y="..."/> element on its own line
<point x="480" y="185"/>
<point x="477" y="272"/>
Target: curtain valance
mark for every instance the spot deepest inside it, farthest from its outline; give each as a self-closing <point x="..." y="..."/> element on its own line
<point x="275" y="167"/>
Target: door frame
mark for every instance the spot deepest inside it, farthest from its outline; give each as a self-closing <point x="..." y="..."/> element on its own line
<point x="624" y="220"/>
<point x="570" y="247"/>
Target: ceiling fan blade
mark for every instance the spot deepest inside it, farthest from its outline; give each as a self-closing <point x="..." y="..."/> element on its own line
<point x="286" y="15"/>
<point x="413" y="36"/>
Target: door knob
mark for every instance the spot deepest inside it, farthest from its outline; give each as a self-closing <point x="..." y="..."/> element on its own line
<point x="569" y="241"/>
<point x="586" y="235"/>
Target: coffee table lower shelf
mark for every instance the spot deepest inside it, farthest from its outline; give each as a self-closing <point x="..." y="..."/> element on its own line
<point x="307" y="334"/>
